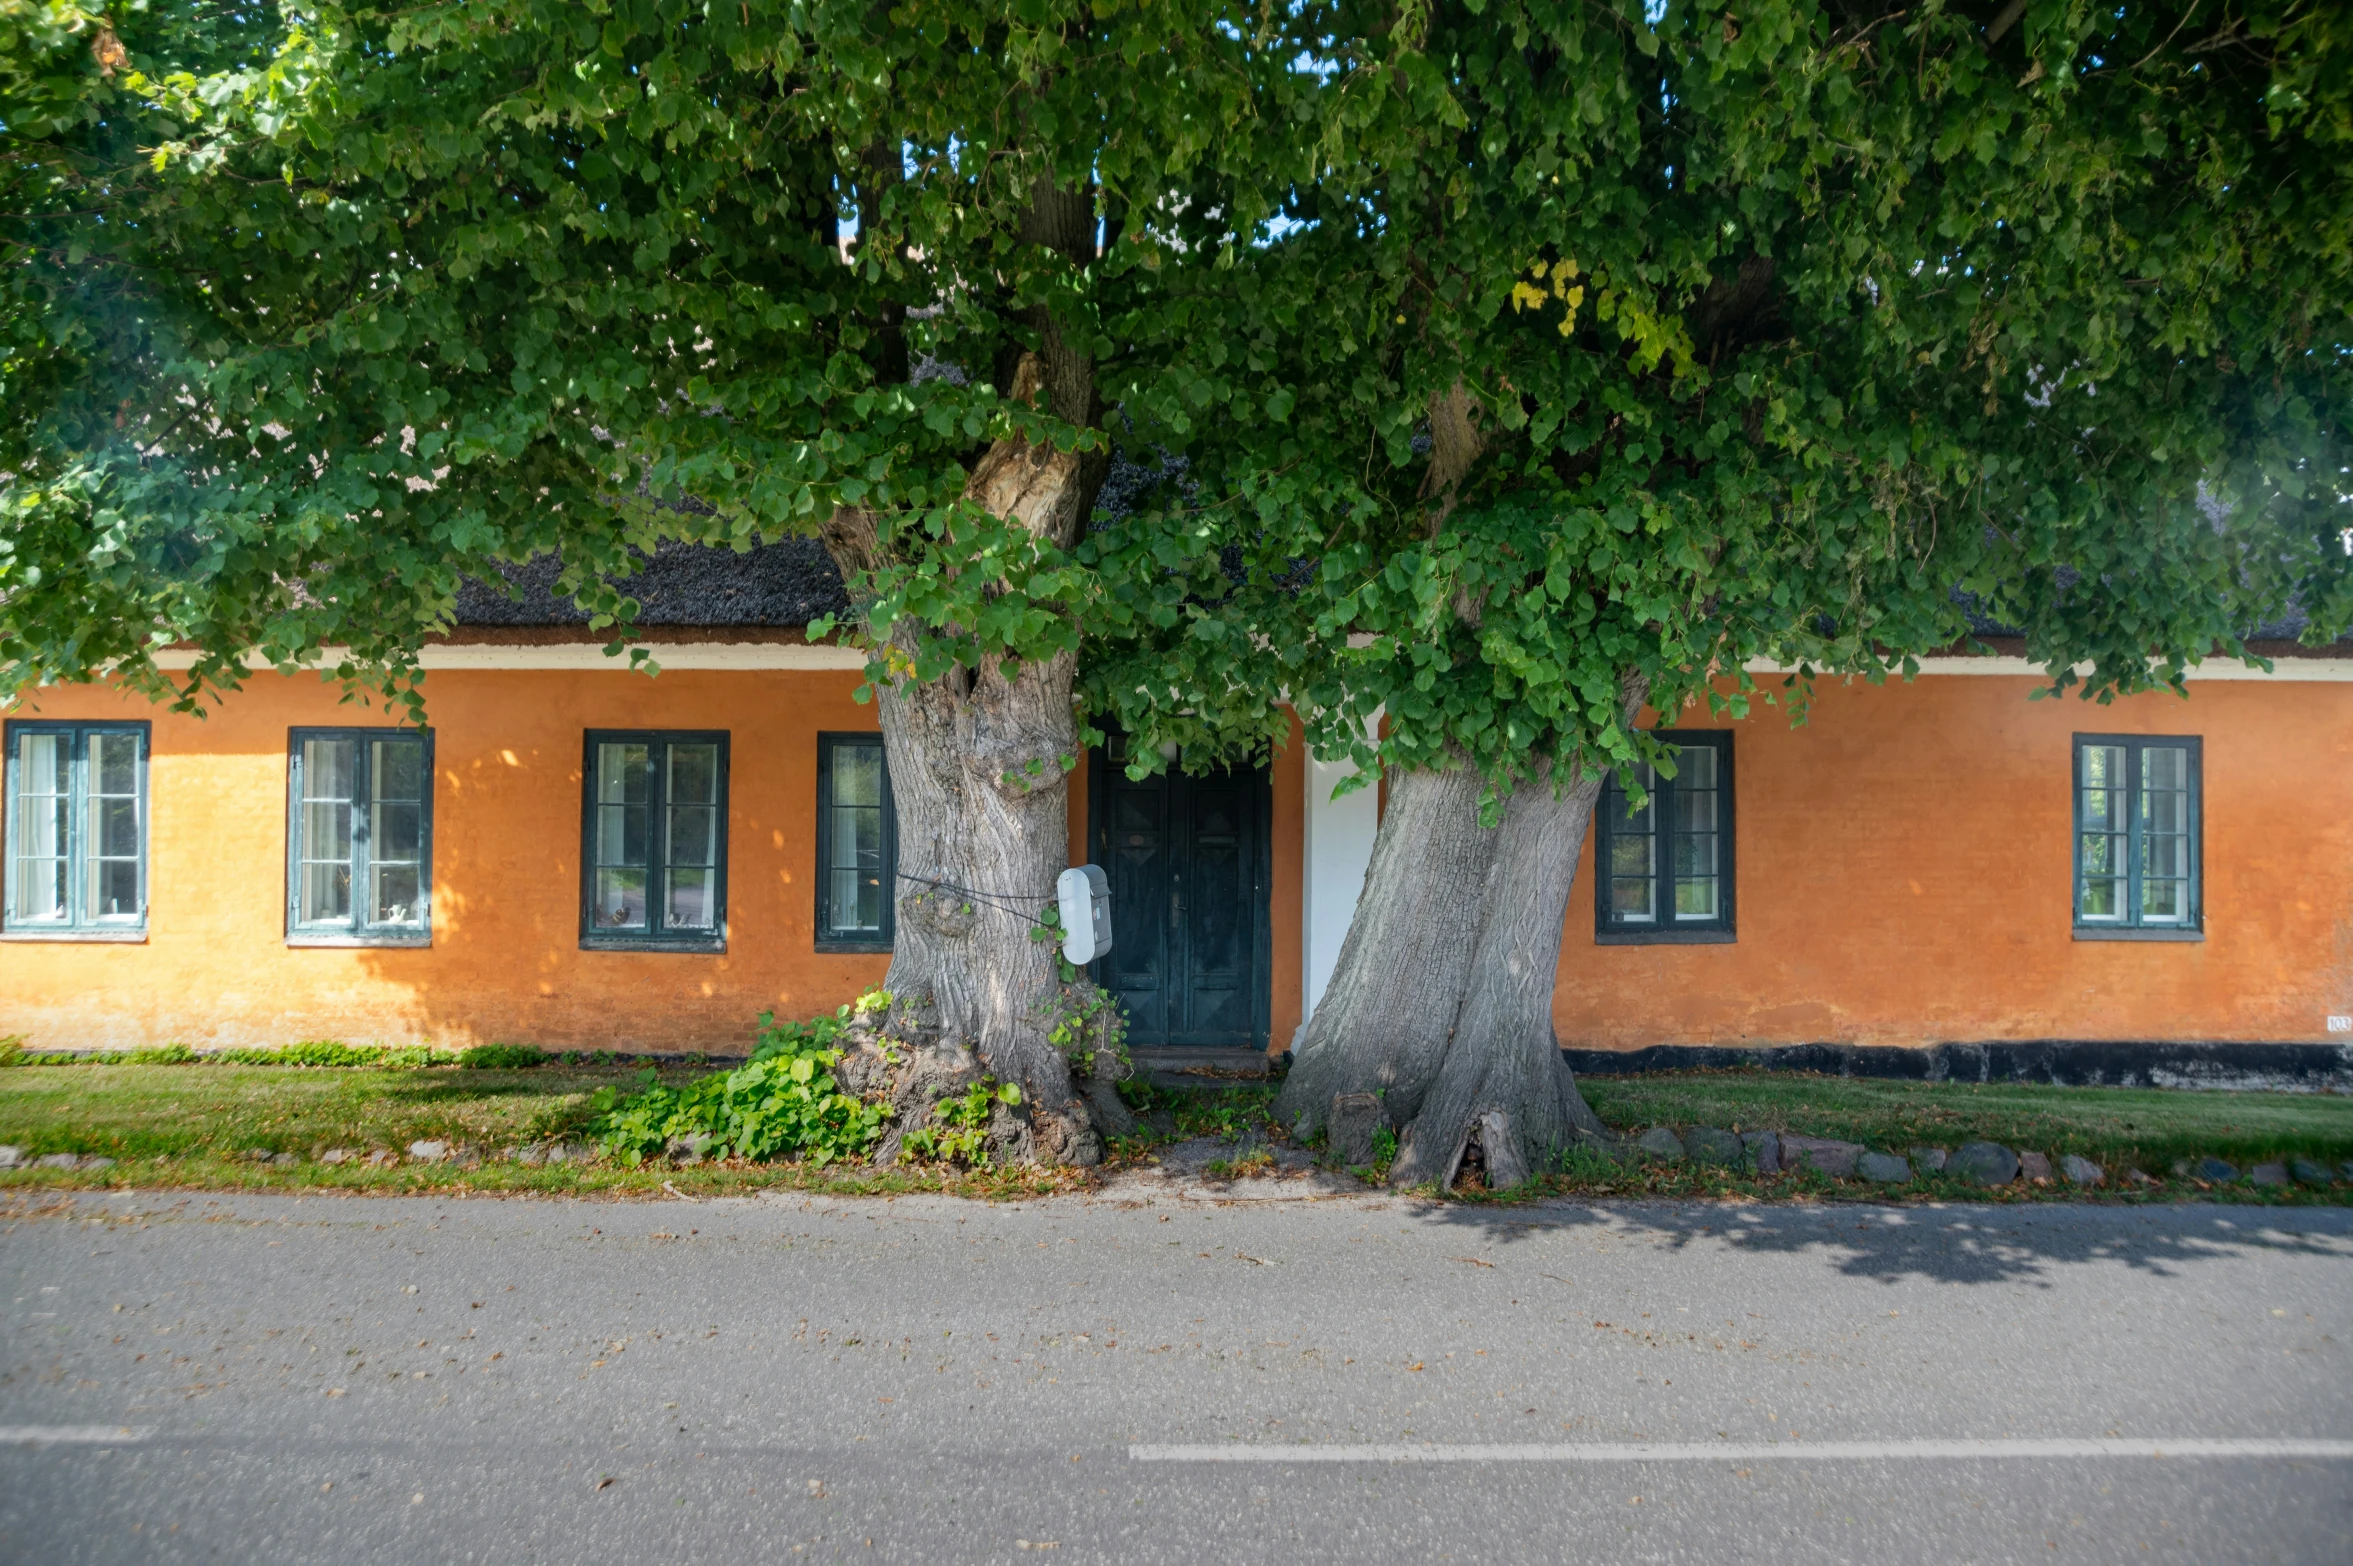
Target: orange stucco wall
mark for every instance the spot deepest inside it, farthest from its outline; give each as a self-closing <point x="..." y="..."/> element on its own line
<point x="505" y="963"/>
<point x="1904" y="878"/>
<point x="1902" y="863"/>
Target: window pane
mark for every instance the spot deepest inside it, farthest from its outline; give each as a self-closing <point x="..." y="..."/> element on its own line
<point x="1629" y="855"/>
<point x="114" y="764"/>
<point x="1694" y="810"/>
<point x="396" y="831"/>
<point x="2100" y="860"/>
<point x="1693" y="802"/>
<point x="693" y="835"/>
<point x="620" y="900"/>
<point x="691" y="901"/>
<point x="620" y="834"/>
<point x="399" y="770"/>
<point x="326" y="830"/>
<point x="114" y="889"/>
<point x="856" y="903"/>
<point x="323" y="887"/>
<point x="395" y="899"/>
<point x="851" y="909"/>
<point x="327" y="768"/>
<point x="694" y="775"/>
<point x="40" y="822"/>
<point x="624" y="774"/>
<point x="114" y="828"/>
<point x="1695" y="873"/>
<point x="857" y="775"/>
<point x="2103" y="784"/>
<point x="113" y="844"/>
<point x="1633" y="851"/>
<point x="2165" y="840"/>
<point x="855" y="870"/>
<point x="2103" y="899"/>
<point x="1695" y="899"/>
<point x="326" y="894"/>
<point x="1630" y="901"/>
<point x="1695" y="768"/>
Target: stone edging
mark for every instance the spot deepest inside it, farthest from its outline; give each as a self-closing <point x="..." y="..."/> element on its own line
<point x="2295" y="1068"/>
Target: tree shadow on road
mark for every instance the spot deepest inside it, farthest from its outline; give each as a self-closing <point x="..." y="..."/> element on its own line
<point x="1941" y="1242"/>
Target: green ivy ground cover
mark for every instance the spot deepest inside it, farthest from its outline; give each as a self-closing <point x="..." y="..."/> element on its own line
<point x="193" y="1125"/>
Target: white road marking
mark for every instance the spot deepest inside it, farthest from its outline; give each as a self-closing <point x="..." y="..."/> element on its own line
<point x="1748" y="1451"/>
<point x="73" y="1435"/>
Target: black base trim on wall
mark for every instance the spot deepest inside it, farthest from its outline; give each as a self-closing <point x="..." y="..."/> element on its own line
<point x="2070" y="1062"/>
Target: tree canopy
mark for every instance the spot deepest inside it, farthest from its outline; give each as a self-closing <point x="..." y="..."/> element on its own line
<point x="314" y="311"/>
<point x="1526" y="344"/>
<point x="1639" y="349"/>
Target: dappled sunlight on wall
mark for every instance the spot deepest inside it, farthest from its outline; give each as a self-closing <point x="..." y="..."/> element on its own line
<point x="505" y="963"/>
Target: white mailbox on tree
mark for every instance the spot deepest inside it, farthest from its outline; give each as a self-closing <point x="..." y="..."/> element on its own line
<point x="1083" y="897"/>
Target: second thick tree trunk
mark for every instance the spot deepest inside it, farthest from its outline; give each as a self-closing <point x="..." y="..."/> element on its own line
<point x="1503" y="1080"/>
<point x="1442" y="998"/>
<point x="1383" y="1023"/>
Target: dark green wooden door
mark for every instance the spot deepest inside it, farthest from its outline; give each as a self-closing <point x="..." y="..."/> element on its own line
<point x="1188" y="858"/>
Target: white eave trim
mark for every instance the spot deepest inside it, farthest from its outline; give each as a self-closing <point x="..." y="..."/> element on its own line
<point x="590" y="657"/>
<point x="2327" y="670"/>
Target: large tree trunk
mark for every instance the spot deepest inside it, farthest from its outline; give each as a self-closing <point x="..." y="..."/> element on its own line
<point x="965" y="969"/>
<point x="981" y="803"/>
<point x="977" y="762"/>
<point x="1383" y="1022"/>
<point x="1503" y="1081"/>
<point x="980" y="791"/>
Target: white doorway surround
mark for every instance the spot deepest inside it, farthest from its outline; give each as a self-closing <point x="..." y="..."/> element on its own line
<point x="1338" y="849"/>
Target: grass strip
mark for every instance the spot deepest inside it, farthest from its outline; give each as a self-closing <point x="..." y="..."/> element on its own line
<point x="169" y="1126"/>
<point x="2113" y="1127"/>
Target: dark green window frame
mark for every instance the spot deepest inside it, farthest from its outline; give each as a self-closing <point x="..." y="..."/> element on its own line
<point x="858" y="898"/>
<point x="675" y="840"/>
<point x="86" y="859"/>
<point x="2139" y="862"/>
<point x="334" y="818"/>
<point x="1650" y="865"/>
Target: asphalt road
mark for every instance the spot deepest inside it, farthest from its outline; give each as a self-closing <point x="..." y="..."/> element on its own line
<point x="354" y="1379"/>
